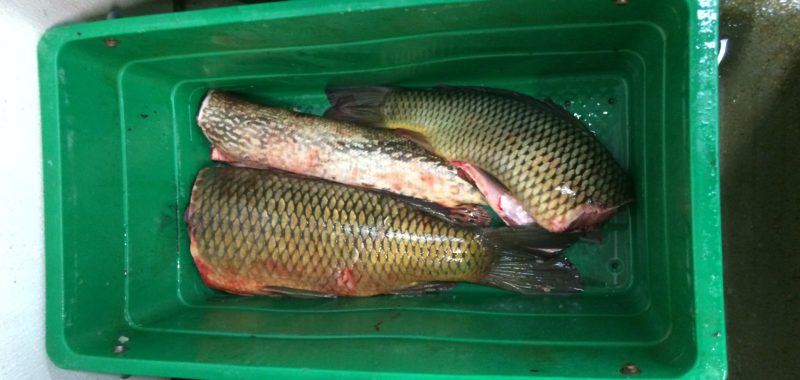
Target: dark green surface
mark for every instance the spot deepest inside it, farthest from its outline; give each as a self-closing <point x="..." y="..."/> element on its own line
<point x="759" y="137"/>
<point x="121" y="149"/>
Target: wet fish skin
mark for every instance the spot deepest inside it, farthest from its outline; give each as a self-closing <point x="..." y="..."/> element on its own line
<point x="549" y="162"/>
<point x="264" y="231"/>
<point x="246" y="134"/>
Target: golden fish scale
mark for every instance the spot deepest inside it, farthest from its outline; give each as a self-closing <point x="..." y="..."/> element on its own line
<point x="552" y="165"/>
<point x="256" y="228"/>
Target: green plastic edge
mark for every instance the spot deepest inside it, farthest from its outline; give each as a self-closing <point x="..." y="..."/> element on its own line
<point x="711" y="359"/>
<point x="48" y="49"/>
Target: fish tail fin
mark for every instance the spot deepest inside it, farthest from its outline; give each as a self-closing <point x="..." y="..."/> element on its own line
<point x="531" y="275"/>
<point x="528" y="261"/>
<point x="360" y="105"/>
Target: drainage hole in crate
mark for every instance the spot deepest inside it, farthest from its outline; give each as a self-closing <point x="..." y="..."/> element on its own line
<point x="615" y="265"/>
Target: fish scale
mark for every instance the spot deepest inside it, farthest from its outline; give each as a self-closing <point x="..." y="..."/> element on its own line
<point x="553" y="166"/>
<point x="252" y="135"/>
<point x="299" y="255"/>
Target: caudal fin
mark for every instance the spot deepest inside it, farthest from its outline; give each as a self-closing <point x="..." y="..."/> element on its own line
<point x="357" y="104"/>
<point x="532" y="275"/>
<point x="528" y="261"/>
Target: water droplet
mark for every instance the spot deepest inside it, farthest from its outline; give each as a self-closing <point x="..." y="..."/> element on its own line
<point x="111" y="42"/>
<point x="630" y="369"/>
<point x="566" y="190"/>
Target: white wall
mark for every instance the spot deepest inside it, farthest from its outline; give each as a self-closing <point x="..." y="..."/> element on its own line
<point x="22" y="349"/>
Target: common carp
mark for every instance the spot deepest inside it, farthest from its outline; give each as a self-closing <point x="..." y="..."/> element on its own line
<point x="247" y="134"/>
<point x="265" y="232"/>
<point x="534" y="162"/>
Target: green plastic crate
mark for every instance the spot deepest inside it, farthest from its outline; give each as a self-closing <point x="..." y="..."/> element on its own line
<point x="121" y="149"/>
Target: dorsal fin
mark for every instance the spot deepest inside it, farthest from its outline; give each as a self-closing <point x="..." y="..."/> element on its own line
<point x="361" y="105"/>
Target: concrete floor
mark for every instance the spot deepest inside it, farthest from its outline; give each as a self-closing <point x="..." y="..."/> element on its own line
<point x="760" y="164"/>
